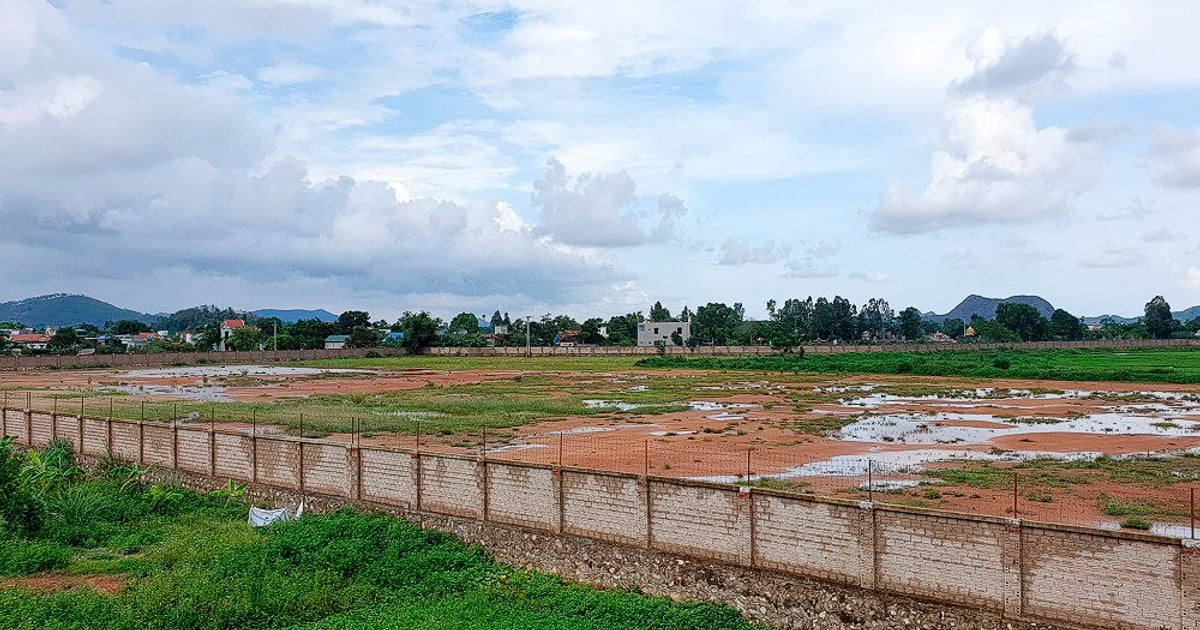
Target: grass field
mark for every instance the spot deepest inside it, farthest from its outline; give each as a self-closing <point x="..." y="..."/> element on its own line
<point x="167" y="558"/>
<point x="1168" y="365"/>
<point x="421" y="362"/>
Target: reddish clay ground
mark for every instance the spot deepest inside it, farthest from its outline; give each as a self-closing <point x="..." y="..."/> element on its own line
<point x="692" y="443"/>
<point x="53" y="582"/>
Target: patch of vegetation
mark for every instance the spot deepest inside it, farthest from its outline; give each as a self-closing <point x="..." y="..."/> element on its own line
<point x="190" y="561"/>
<point x="1136" y="523"/>
<point x="1144" y="365"/>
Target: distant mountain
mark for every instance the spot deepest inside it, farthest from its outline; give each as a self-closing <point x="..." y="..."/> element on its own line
<point x="289" y="316"/>
<point x="1187" y="314"/>
<point x="985" y="307"/>
<point x="61" y="309"/>
<point x="1100" y="319"/>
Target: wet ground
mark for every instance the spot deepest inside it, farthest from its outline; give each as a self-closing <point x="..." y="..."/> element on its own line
<point x="887" y="438"/>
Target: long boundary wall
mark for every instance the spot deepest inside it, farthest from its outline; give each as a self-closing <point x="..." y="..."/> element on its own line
<point x="1020" y="570"/>
<point x="280" y="356"/>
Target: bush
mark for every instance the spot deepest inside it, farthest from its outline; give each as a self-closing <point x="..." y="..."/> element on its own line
<point x="23" y="557"/>
<point x="1001" y="363"/>
<point x="21" y="509"/>
<point x="1134" y="522"/>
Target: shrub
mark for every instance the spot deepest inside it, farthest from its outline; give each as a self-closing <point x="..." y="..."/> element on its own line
<point x="1001" y="363"/>
<point x="1134" y="522"/>
<point x="22" y="557"/>
<point x="21" y="509"/>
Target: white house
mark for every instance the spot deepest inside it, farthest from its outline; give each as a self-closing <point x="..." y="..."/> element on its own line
<point x="336" y="342"/>
<point x="227" y="328"/>
<point x="653" y="333"/>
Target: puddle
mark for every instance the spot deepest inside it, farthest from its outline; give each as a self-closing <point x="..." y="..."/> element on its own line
<point x="666" y="433"/>
<point x="889" y="485"/>
<point x="189" y="392"/>
<point x="695" y="405"/>
<point x="924" y="428"/>
<point x="899" y="462"/>
<point x="237" y="370"/>
<point x="611" y="404"/>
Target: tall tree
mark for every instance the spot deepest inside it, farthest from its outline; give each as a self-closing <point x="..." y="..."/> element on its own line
<point x="245" y="338"/>
<point x="717" y="323"/>
<point x="910" y="323"/>
<point x="365" y="337"/>
<point x="659" y="313"/>
<point x="1159" y="321"/>
<point x="64" y="338"/>
<point x="464" y="323"/>
<point x="1066" y="326"/>
<point x="349" y="319"/>
<point x="420" y="329"/>
<point x="126" y="327"/>
<point x="1022" y="319"/>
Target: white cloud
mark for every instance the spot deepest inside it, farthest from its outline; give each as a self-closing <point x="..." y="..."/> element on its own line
<point x="736" y="252"/>
<point x="1162" y="234"/>
<point x="1175" y="157"/>
<point x="993" y="165"/>
<point x="1193" y="277"/>
<point x="1004" y="66"/>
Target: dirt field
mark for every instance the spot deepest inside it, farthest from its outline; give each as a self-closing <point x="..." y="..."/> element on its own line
<point x="1105" y="454"/>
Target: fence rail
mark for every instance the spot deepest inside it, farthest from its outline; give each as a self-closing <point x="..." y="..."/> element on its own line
<point x="1019" y="569"/>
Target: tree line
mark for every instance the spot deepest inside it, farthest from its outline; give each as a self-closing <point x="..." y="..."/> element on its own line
<point x="789" y="323"/>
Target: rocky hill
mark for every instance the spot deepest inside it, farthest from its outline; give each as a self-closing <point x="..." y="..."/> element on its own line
<point x="985" y="307"/>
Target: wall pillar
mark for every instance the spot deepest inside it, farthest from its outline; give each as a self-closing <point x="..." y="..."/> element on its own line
<point x="1011" y="561"/>
<point x="29" y="428"/>
<point x="868" y="551"/>
<point x="354" y="472"/>
<point x="1189" y="584"/>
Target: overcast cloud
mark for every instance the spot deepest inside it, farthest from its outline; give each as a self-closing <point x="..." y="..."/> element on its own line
<point x="535" y="155"/>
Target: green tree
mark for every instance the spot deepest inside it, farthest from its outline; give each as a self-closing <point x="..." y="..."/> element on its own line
<point x="464" y="323"/>
<point x="245" y="339"/>
<point x="876" y="317"/>
<point x="910" y="323"/>
<point x="1022" y="319"/>
<point x="419" y="328"/>
<point x="1066" y="326"/>
<point x="126" y="327"/>
<point x="659" y="313"/>
<point x="622" y="329"/>
<point x="954" y="327"/>
<point x="64" y="338"/>
<point x="717" y="323"/>
<point x="365" y="337"/>
<point x="1158" y="320"/>
<point x="992" y="331"/>
<point x="349" y="319"/>
<point x="309" y="333"/>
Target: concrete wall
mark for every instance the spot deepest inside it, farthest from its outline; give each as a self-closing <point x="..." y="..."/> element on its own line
<point x="1022" y="571"/>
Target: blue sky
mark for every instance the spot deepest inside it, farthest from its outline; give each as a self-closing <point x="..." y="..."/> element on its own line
<point x="592" y="158"/>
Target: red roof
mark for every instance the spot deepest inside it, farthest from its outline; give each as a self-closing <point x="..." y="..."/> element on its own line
<point x="233" y="323"/>
<point x="32" y="338"/>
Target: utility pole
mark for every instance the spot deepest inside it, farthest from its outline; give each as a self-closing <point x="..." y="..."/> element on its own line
<point x="275" y="324"/>
<point x="528" y="339"/>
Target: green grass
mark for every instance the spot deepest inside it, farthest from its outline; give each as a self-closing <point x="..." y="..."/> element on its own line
<point x="1168" y="365"/>
<point x="191" y="562"/>
<point x="422" y="362"/>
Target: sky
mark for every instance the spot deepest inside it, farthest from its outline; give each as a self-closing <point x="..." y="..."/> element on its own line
<point x="590" y="158"/>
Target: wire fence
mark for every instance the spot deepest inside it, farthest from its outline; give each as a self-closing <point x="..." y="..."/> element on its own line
<point x="1154" y="492"/>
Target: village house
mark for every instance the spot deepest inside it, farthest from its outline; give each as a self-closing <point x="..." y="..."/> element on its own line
<point x="336" y="342"/>
<point x="654" y="333"/>
<point x="30" y="341"/>
<point x="227" y="328"/>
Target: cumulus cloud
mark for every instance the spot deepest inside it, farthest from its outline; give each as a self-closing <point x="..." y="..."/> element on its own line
<point x="114" y="170"/>
<point x="597" y="210"/>
<point x="736" y="252"/>
<point x="992" y="165"/>
<point x="1001" y="65"/>
<point x="1137" y="208"/>
<point x="1174" y="156"/>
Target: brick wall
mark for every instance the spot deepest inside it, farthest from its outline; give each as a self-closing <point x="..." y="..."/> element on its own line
<point x="452" y="486"/>
<point x="608" y="507"/>
<point x="388" y="477"/>
<point x="1029" y="572"/>
<point x="523" y="495"/>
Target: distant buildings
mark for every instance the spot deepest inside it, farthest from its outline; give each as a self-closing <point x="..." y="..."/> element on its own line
<point x="336" y="342"/>
<point x="653" y="333"/>
<point x="30" y="341"/>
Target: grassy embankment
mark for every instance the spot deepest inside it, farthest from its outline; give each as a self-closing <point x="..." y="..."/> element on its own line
<point x="168" y="558"/>
<point x="1172" y="365"/>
